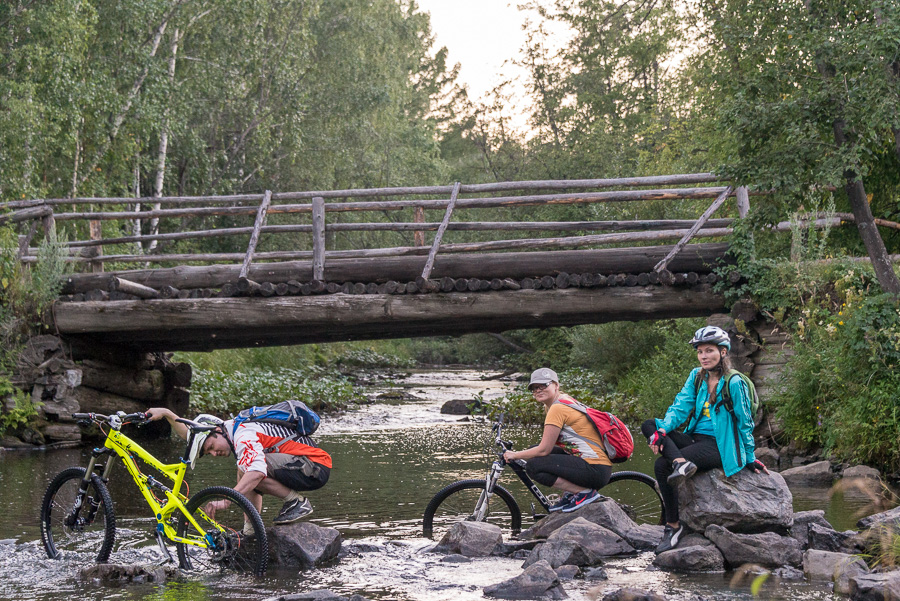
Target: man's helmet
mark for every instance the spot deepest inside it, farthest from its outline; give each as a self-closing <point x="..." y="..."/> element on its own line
<point x="711" y="335"/>
<point x="200" y="437"/>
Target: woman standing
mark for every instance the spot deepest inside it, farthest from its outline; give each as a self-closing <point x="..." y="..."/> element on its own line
<point x="570" y="456"/>
<point x="717" y="435"/>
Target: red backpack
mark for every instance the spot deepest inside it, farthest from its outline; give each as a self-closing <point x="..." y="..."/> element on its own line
<point x="616" y="439"/>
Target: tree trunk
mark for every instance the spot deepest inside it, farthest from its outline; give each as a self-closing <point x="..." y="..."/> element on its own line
<point x="163" y="144"/>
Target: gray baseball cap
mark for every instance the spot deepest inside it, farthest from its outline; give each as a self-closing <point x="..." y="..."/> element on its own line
<point x="544" y="375"/>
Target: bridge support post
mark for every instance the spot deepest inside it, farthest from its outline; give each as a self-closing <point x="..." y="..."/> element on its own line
<point x="318" y="218"/>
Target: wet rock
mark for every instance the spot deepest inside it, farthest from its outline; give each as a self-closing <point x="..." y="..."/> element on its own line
<point x="580" y="543"/>
<point x="745" y="502"/>
<point x="694" y="539"/>
<point x="11" y="442"/>
<point x="472" y="539"/>
<point x="822" y="538"/>
<point x="876" y="587"/>
<point x="606" y="513"/>
<point x="769" y="457"/>
<point x="455" y="558"/>
<point x="302" y="545"/>
<point x="108" y="573"/>
<point x="788" y="573"/>
<point x="889" y="518"/>
<point x="316" y="595"/>
<point x="862" y="471"/>
<point x="633" y="594"/>
<point x="814" y="474"/>
<point x="510" y="548"/>
<point x="767" y="549"/>
<point x="537" y="581"/>
<point x="802" y="521"/>
<point x="357" y="547"/>
<point x="825" y="565"/>
<point x="568" y="572"/>
<point x="596" y="574"/>
<point x="461" y="406"/>
<point x="695" y="558"/>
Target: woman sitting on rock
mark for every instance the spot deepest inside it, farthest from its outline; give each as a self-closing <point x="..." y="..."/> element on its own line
<point x="570" y="456"/>
<point x="717" y="435"/>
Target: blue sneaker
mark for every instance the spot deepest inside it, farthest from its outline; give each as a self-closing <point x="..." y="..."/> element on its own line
<point x="563" y="502"/>
<point x="580" y="500"/>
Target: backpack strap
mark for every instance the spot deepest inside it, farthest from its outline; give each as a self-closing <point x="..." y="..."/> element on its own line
<point x="579" y="407"/>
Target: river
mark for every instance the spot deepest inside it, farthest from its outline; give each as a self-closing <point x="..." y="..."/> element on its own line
<point x="389" y="460"/>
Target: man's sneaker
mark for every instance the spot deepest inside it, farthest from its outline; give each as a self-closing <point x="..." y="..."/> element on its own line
<point x="683" y="471"/>
<point x="563" y="502"/>
<point x="580" y="500"/>
<point x="293" y="511"/>
<point x="670" y="538"/>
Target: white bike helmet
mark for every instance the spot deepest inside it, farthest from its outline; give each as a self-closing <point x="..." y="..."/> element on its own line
<point x="711" y="335"/>
<point x="200" y="437"/>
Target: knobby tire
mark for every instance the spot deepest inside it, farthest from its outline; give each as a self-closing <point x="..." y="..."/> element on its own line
<point x="87" y="531"/>
<point x="638" y="495"/>
<point x="452" y="504"/>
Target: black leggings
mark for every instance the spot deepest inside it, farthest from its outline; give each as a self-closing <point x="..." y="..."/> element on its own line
<point x="701" y="449"/>
<point x="559" y="464"/>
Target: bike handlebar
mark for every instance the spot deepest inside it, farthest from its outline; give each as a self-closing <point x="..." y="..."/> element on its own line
<point x="116" y="419"/>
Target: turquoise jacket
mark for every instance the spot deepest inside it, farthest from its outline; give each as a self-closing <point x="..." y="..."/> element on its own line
<point x="735" y="443"/>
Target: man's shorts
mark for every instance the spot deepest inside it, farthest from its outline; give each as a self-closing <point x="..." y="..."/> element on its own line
<point x="295" y="472"/>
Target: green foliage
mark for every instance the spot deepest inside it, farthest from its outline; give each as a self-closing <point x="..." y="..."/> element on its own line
<point x="24" y="410"/>
<point x="227" y="393"/>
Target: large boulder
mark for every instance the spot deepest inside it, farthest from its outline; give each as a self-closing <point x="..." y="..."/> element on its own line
<point x="767" y="549"/>
<point x="537" y="581"/>
<point x="769" y="457"/>
<point x="694" y="558"/>
<point x="825" y="565"/>
<point x="802" y="521"/>
<point x="606" y="513"/>
<point x="580" y="543"/>
<point x="633" y="594"/>
<point x="472" y="539"/>
<point x="822" y="538"/>
<point x="108" y="573"/>
<point x="461" y="406"/>
<point x="814" y="474"/>
<point x="745" y="502"/>
<point x="876" y="587"/>
<point x="861" y="471"/>
<point x="302" y="545"/>
<point x="889" y="518"/>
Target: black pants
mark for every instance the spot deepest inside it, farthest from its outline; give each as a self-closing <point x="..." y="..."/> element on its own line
<point x="559" y="464"/>
<point x="700" y="449"/>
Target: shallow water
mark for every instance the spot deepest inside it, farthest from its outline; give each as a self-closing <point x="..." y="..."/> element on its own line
<point x="389" y="460"/>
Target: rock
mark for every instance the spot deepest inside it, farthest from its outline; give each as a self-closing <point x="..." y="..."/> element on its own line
<point x="316" y="595"/>
<point x="876" y="587"/>
<point x="695" y="558"/>
<point x="455" y="559"/>
<point x="596" y="574"/>
<point x="606" y="513"/>
<point x="802" y="520"/>
<point x="825" y="565"/>
<point x="844" y="573"/>
<point x="62" y="432"/>
<point x="693" y="539"/>
<point x="745" y="502"/>
<point x="512" y="547"/>
<point x="11" y="442"/>
<point x="814" y="474"/>
<point x="861" y="471"/>
<point x="302" y="545"/>
<point x="889" y="518"/>
<point x="767" y="549"/>
<point x="822" y="538"/>
<point x="580" y="543"/>
<point x="788" y="573"/>
<point x="461" y="406"/>
<point x="633" y="594"/>
<point x="537" y="581"/>
<point x="768" y="456"/>
<point x="568" y="572"/>
<point x="472" y="539"/>
<point x="107" y="573"/>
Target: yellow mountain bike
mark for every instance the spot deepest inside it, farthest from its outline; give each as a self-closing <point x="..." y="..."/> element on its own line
<point x="77" y="513"/>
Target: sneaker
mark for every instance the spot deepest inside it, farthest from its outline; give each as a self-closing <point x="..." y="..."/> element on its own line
<point x="683" y="471"/>
<point x="293" y="511"/>
<point x="563" y="501"/>
<point x="580" y="500"/>
<point x="670" y="539"/>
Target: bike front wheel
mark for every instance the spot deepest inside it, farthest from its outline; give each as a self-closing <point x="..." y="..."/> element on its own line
<point x="458" y="502"/>
<point x="72" y="526"/>
<point x="638" y="495"/>
<point x="234" y="535"/>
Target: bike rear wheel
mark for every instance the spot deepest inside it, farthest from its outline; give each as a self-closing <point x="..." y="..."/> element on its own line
<point x="457" y="502"/>
<point x="638" y="495"/>
<point x="231" y="548"/>
<point x="90" y="526"/>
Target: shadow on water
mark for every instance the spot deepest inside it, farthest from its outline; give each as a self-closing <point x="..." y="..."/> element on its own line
<point x="389" y="461"/>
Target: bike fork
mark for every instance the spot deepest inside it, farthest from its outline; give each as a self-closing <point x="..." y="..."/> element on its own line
<point x="490" y="482"/>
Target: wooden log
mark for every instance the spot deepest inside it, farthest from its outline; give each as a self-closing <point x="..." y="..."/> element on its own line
<point x="371" y="288"/>
<point x="473" y="284"/>
<point x="734" y="276"/>
<point x="117" y="284"/>
<point x="178" y="375"/>
<point x="653" y="278"/>
<point x="447" y="284"/>
<point x="515" y="265"/>
<point x="96" y="295"/>
<point x="694" y="229"/>
<point x="575" y="280"/>
<point x="261" y="214"/>
<point x="547" y="282"/>
<point x="222" y="323"/>
<point x="358" y="288"/>
<point x="185" y="293"/>
<point x="436" y="244"/>
<point x="33" y="213"/>
<point x="411" y="288"/>
<point x="643" y="279"/>
<point x="267" y="289"/>
<point x="305" y="289"/>
<point x="527" y="284"/>
<point x="317" y="286"/>
<point x="390" y="287"/>
<point x="461" y="284"/>
<point x="78" y="297"/>
<point x="692" y="278"/>
<point x="666" y="277"/>
<point x="228" y="289"/>
<point x="562" y="280"/>
<point x="293" y="287"/>
<point x="332" y="287"/>
<point x="743" y="201"/>
<point x="496" y="284"/>
<point x="621" y="278"/>
<point x="281" y="289"/>
<point x="247" y="286"/>
<point x="588" y="280"/>
<point x="631" y="280"/>
<point x="167" y="292"/>
<point x="140" y="384"/>
<point x="484" y="284"/>
<point x="510" y="284"/>
<point x="346" y="287"/>
<point x="318" y="217"/>
<point x="680" y="279"/>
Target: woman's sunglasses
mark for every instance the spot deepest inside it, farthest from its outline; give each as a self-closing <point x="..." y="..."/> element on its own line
<point x="538" y="387"/>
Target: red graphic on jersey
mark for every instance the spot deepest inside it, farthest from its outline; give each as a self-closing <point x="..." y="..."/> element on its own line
<point x="248" y="454"/>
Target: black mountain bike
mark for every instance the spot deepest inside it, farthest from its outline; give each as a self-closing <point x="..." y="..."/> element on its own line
<point x="484" y="500"/>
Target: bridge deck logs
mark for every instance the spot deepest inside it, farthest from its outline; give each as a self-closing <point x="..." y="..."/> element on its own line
<point x="211" y="323"/>
<point x="514" y="265"/>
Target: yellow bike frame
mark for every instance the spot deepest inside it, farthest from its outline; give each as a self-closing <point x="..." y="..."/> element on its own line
<point x="126" y="448"/>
